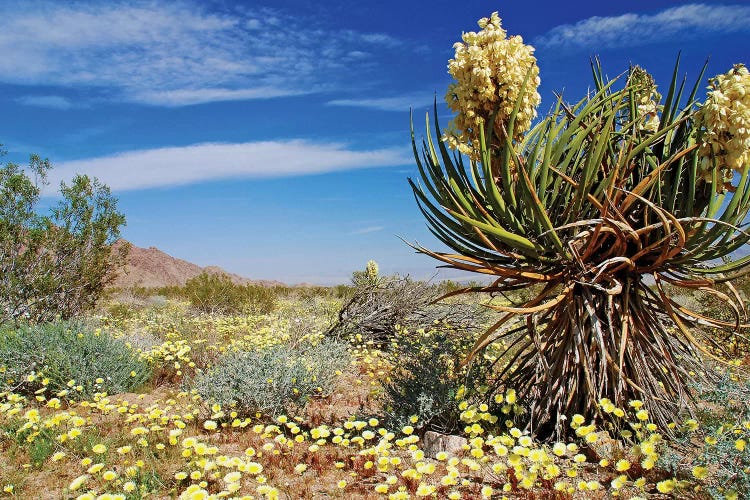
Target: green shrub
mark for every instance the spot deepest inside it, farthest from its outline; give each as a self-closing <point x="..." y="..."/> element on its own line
<point x="427" y="379"/>
<point x="54" y="265"/>
<point x="217" y="293"/>
<point x="64" y="351"/>
<point x="273" y="381"/>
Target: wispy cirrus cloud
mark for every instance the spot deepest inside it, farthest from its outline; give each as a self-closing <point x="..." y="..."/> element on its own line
<point x="178" y="53"/>
<point x="175" y="166"/>
<point x="367" y="230"/>
<point x="684" y="22"/>
<point x="392" y="103"/>
<point x="46" y="101"/>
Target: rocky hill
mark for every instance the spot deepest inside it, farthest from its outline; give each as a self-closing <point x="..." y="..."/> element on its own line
<point x="150" y="267"/>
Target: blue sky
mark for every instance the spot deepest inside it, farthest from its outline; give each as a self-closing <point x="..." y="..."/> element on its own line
<point x="272" y="138"/>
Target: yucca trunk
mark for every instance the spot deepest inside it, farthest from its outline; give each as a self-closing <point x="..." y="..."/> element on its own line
<point x="594" y="345"/>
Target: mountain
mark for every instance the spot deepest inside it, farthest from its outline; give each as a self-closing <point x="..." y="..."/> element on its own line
<point x="150" y="267"/>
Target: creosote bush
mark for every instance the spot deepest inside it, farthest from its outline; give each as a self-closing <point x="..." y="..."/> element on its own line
<point x="57" y="264"/>
<point x="280" y="379"/>
<point x="217" y="293"/>
<point x="68" y="358"/>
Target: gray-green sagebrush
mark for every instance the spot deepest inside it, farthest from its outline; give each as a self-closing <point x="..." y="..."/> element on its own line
<point x="51" y="355"/>
<point x="273" y="381"/>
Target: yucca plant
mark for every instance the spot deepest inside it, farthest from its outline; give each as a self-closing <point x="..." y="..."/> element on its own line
<point x="597" y="207"/>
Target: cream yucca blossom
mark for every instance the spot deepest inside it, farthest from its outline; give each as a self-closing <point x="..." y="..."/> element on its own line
<point x="646" y="98"/>
<point x="489" y="69"/>
<point x="725" y="117"/>
<point x="372" y="272"/>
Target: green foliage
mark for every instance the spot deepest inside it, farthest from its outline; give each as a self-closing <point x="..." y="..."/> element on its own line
<point x="427" y="377"/>
<point x="721" y="429"/>
<point x="280" y="379"/>
<point x="60" y="352"/>
<point x="217" y="293"/>
<point x="57" y="264"/>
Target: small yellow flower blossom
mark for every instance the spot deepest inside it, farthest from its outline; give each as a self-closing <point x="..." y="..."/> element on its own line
<point x="740" y="444"/>
<point x="109" y="475"/>
<point x="232" y="477"/>
<point x="700" y="472"/>
<point x="95" y="468"/>
<point x="425" y="490"/>
<point x="78" y="482"/>
<point x="622" y="465"/>
<point x="666" y="486"/>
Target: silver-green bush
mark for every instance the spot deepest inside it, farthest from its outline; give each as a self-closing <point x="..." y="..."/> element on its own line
<point x="273" y="381"/>
<point x="428" y="377"/>
<point x="53" y="354"/>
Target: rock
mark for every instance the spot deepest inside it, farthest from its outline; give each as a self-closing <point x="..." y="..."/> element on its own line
<point x="434" y="442"/>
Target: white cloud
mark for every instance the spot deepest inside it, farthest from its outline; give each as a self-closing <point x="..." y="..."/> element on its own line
<point x="683" y="22"/>
<point x="367" y="230"/>
<point x="174" y="166"/>
<point x="395" y="103"/>
<point x="175" y="53"/>
<point x="183" y="97"/>
<point x="46" y="101"/>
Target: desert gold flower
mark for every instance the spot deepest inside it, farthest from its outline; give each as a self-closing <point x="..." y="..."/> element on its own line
<point x="700" y="472"/>
<point x="740" y="444"/>
<point x="232" y="477"/>
<point x="666" y="486"/>
<point x="559" y="449"/>
<point x="78" y="482"/>
<point x="109" y="475"/>
<point x="95" y="468"/>
<point x="425" y="490"/>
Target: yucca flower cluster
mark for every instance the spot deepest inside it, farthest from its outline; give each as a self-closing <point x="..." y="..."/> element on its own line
<point x="726" y="119"/>
<point x="646" y="98"/>
<point x="490" y="69"/>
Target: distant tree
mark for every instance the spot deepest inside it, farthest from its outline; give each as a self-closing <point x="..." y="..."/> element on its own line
<point x="54" y="265"/>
